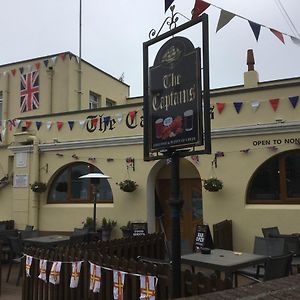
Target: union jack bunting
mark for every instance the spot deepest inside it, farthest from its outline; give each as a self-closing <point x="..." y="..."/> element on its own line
<point x="29" y="91"/>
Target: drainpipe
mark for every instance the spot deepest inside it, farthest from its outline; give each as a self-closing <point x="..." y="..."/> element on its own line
<point x="34" y="203"/>
<point x="5" y="108"/>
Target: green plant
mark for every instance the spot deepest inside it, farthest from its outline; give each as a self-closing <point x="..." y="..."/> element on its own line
<point x="127" y="226"/>
<point x="88" y="223"/>
<point x="38" y="187"/>
<point x="108" y="223"/>
<point x="128" y="185"/>
<point x="213" y="184"/>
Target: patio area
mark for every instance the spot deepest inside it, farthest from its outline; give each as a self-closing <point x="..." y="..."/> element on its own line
<point x="9" y="290"/>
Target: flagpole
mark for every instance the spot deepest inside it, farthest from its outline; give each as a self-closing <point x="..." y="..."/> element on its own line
<point x="79" y="59"/>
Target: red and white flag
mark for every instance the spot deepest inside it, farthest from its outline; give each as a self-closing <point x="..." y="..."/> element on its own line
<point x="95" y="278"/>
<point x="28" y="264"/>
<point x="118" y="284"/>
<point x="76" y="267"/>
<point x="55" y="272"/>
<point x="199" y="7"/>
<point x="148" y="284"/>
<point x="43" y="268"/>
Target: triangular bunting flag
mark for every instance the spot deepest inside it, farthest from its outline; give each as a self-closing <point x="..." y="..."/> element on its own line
<point x="62" y="56"/>
<point x="18" y="122"/>
<point x="168" y="4"/>
<point x="199" y="7"/>
<point x="38" y="124"/>
<point x="59" y="124"/>
<point x="220" y="107"/>
<point x="43" y="269"/>
<point x="71" y="124"/>
<point x="278" y="34"/>
<point x="294" y="100"/>
<point x="225" y="18"/>
<point x="106" y="120"/>
<point x="238" y="106"/>
<point x="70" y="56"/>
<point x="13" y="71"/>
<point x="21" y="69"/>
<point x="49" y="125"/>
<point x="29" y="68"/>
<point x="274" y="103"/>
<point x="118" y="284"/>
<point x="119" y="117"/>
<point x="55" y="272"/>
<point x="81" y="123"/>
<point x="255" y="105"/>
<point x="132" y="114"/>
<point x="37" y="65"/>
<point x="27" y="123"/>
<point x="46" y="61"/>
<point x="76" y="267"/>
<point x="295" y="40"/>
<point x="255" y="28"/>
<point x="54" y="60"/>
<point x="94" y="122"/>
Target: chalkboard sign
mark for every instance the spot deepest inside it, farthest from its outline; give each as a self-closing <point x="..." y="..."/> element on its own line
<point x="203" y="238"/>
<point x="139" y="229"/>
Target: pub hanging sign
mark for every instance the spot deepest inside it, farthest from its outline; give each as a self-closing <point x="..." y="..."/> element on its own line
<point x="175" y="106"/>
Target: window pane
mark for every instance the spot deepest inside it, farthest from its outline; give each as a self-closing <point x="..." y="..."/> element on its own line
<point x="103" y="191"/>
<point x="292" y="169"/>
<point x="79" y="187"/>
<point x="266" y="184"/>
<point x="59" y="190"/>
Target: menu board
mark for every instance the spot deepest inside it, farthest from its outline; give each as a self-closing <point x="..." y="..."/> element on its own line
<point x="203" y="238"/>
<point x="139" y="229"/>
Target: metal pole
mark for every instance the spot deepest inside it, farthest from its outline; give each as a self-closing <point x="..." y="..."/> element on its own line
<point x="95" y="202"/>
<point x="176" y="205"/>
<point x="79" y="59"/>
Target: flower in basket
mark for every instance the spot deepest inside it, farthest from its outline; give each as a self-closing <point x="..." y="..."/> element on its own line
<point x="127" y="185"/>
<point x="213" y="184"/>
<point x="4" y="181"/>
<point x="38" y="187"/>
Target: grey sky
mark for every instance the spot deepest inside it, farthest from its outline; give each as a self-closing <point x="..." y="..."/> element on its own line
<point x="113" y="33"/>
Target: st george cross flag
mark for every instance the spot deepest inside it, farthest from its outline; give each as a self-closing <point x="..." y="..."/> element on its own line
<point x="95" y="278"/>
<point x="76" y="267"/>
<point x="147" y="284"/>
<point x="43" y="268"/>
<point x="29" y="91"/>
<point x="28" y="265"/>
<point x="55" y="272"/>
<point x="118" y="284"/>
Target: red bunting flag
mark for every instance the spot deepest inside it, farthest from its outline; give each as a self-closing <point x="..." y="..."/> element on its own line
<point x="27" y="123"/>
<point x="278" y="34"/>
<point x="274" y="103"/>
<point x="13" y="71"/>
<point x="220" y="107"/>
<point x="132" y="114"/>
<point x="63" y="56"/>
<point x="199" y="7"/>
<point x="59" y="124"/>
<point x="37" y="65"/>
<point x="94" y="122"/>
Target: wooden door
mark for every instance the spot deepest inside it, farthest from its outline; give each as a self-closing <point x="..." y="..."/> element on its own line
<point x="191" y="213"/>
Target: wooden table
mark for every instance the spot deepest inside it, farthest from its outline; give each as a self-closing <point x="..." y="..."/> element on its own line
<point x="48" y="241"/>
<point x="223" y="260"/>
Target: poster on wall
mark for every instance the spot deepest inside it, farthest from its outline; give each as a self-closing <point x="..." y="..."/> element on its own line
<point x="175" y="106"/>
<point x="21" y="160"/>
<point x="20" y="181"/>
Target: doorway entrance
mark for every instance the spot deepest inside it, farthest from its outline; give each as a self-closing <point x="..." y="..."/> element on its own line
<point x="191" y="213"/>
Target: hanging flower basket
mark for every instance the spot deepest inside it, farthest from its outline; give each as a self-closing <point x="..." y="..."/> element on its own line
<point x="128" y="185"/>
<point x="4" y="181"/>
<point x="38" y="187"/>
<point x="213" y="184"/>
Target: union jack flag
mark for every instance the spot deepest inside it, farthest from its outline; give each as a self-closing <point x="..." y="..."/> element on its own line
<point x="29" y="91"/>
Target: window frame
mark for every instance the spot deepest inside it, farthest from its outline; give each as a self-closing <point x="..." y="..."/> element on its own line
<point x="283" y="189"/>
<point x="69" y="199"/>
<point x="92" y="103"/>
<point x="111" y="102"/>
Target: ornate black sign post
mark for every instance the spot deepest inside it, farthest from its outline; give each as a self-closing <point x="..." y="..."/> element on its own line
<point x="177" y="111"/>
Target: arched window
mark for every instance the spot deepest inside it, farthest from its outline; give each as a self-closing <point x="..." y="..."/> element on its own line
<point x="67" y="187"/>
<point x="277" y="181"/>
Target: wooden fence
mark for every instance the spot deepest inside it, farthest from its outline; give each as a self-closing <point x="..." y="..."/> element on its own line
<point x="114" y="255"/>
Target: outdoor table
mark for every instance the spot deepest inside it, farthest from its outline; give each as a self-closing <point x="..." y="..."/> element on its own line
<point x="221" y="260"/>
<point x="48" y="241"/>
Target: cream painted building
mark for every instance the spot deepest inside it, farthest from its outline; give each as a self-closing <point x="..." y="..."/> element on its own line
<point x="62" y="117"/>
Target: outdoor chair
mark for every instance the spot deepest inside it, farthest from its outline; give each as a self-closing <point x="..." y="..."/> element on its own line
<point x="26" y="234"/>
<point x="29" y="227"/>
<point x="271" y="247"/>
<point x="275" y="267"/>
<point x="16" y="248"/>
<point x="270" y="231"/>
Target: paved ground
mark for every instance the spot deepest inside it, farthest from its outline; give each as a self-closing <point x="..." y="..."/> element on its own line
<point x="9" y="290"/>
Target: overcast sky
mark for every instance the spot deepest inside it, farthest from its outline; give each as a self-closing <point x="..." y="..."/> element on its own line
<point x="113" y="33"/>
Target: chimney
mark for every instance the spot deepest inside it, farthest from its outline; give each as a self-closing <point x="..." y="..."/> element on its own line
<point x="251" y="76"/>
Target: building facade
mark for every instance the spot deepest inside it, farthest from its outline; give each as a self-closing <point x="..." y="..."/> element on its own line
<point x="63" y="118"/>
